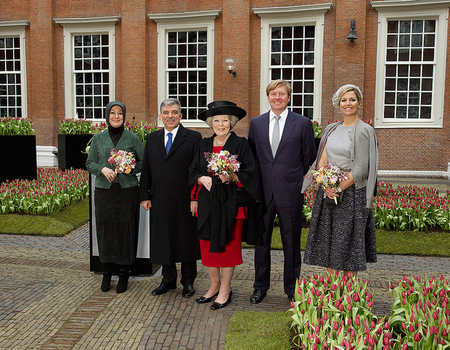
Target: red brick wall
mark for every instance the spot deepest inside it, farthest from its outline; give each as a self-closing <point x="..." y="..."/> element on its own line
<point x="237" y="34"/>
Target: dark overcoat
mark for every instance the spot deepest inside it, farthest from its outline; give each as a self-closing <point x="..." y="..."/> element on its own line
<point x="164" y="181"/>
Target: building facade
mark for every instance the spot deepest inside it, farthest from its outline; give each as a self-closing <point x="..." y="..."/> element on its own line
<point x="68" y="58"/>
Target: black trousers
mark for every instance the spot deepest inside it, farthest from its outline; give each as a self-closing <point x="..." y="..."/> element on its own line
<point x="290" y="219"/>
<point x="188" y="272"/>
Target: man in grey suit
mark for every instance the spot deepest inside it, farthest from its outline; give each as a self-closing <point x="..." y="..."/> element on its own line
<point x="165" y="190"/>
<point x="283" y="143"/>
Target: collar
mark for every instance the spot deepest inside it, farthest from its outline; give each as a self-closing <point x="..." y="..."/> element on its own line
<point x="283" y="115"/>
<point x="174" y="132"/>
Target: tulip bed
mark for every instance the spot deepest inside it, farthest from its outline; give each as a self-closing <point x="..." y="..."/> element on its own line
<point x="335" y="312"/>
<point x="82" y="127"/>
<point x="411" y="208"/>
<point x="53" y="190"/>
<point x="15" y="126"/>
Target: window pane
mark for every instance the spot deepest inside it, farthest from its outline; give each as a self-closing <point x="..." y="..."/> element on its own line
<point x="292" y="58"/>
<point x="409" y="87"/>
<point x="10" y="77"/>
<point x="187" y="70"/>
<point x="91" y="65"/>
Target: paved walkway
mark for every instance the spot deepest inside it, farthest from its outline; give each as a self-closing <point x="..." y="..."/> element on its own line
<point x="50" y="300"/>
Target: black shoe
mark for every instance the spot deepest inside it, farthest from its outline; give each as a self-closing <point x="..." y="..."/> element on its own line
<point x="122" y="285"/>
<point x="203" y="300"/>
<point x="188" y="290"/>
<point x="216" y="306"/>
<point x="164" y="288"/>
<point x="258" y="296"/>
<point x="106" y="282"/>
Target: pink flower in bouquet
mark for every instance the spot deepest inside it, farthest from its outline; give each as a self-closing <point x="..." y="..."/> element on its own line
<point x="222" y="163"/>
<point x="123" y="160"/>
<point x="329" y="175"/>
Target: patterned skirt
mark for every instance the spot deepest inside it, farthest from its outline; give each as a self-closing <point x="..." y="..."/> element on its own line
<point x="342" y="237"/>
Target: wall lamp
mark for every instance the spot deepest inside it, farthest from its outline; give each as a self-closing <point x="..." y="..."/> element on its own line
<point x="352" y="34"/>
<point x="230" y="65"/>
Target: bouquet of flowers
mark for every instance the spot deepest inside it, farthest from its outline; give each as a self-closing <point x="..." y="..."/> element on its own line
<point x="329" y="175"/>
<point x="222" y="163"/>
<point x="123" y="160"/>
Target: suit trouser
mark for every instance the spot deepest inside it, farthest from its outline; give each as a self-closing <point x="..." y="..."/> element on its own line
<point x="290" y="220"/>
<point x="188" y="272"/>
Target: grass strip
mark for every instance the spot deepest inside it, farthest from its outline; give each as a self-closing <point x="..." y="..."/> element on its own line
<point x="258" y="330"/>
<point x="392" y="242"/>
<point x="56" y="224"/>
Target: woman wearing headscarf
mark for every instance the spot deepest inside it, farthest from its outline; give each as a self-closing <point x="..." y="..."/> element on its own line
<point x="342" y="235"/>
<point x="223" y="221"/>
<point x="116" y="197"/>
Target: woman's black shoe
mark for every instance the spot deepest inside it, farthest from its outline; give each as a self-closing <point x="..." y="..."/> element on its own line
<point x="106" y="282"/>
<point x="216" y="306"/>
<point x="203" y="300"/>
<point x="122" y="285"/>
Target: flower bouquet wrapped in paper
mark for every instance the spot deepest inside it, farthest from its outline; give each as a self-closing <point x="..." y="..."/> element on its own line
<point x="329" y="175"/>
<point x="123" y="160"/>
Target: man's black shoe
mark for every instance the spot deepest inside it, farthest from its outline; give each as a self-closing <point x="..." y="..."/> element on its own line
<point x="257" y="296"/>
<point x="164" y="288"/>
<point x="188" y="290"/>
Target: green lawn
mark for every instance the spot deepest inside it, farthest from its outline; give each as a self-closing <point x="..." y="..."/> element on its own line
<point x="249" y="330"/>
<point x="56" y="224"/>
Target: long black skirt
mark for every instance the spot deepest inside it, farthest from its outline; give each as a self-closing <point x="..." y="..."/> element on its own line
<point x="117" y="222"/>
<point x="342" y="237"/>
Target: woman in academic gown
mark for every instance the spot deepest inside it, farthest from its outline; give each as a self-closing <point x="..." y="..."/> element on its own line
<point x="222" y="224"/>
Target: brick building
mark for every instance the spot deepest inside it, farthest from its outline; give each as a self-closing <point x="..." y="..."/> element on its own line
<point x="67" y="58"/>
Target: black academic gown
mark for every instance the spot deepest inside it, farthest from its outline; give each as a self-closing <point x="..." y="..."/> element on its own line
<point x="215" y="218"/>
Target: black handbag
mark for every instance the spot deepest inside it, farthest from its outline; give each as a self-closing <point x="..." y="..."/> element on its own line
<point x="245" y="199"/>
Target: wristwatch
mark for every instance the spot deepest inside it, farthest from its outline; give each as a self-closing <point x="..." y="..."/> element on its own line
<point x="339" y="189"/>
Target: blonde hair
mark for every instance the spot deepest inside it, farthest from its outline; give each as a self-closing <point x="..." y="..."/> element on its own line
<point x="336" y="99"/>
<point x="279" y="82"/>
<point x="233" y="120"/>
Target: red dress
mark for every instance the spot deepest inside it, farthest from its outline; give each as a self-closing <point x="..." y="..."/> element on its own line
<point x="232" y="254"/>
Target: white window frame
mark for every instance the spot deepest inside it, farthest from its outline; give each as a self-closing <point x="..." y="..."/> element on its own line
<point x="86" y="26"/>
<point x="306" y="15"/>
<point x="411" y="10"/>
<point x="167" y="22"/>
<point x="17" y="29"/>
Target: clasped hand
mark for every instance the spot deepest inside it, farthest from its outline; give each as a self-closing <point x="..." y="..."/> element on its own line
<point x="331" y="192"/>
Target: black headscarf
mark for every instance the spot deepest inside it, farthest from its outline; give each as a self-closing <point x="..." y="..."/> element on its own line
<point x="115" y="133"/>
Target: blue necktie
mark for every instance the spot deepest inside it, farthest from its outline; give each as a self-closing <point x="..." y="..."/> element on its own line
<point x="169" y="142"/>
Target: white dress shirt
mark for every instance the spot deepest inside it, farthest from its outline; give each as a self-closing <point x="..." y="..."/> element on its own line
<point x="282" y="121"/>
<point x="174" y="133"/>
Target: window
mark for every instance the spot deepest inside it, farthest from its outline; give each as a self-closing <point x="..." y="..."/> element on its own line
<point x="89" y="66"/>
<point x="12" y="69"/>
<point x="186" y="61"/>
<point x="411" y="68"/>
<point x="292" y="58"/>
<point x="187" y="70"/>
<point x="91" y="74"/>
<point x="291" y="49"/>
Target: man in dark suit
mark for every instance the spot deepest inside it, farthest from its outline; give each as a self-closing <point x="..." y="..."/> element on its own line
<point x="164" y="188"/>
<point x="283" y="143"/>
